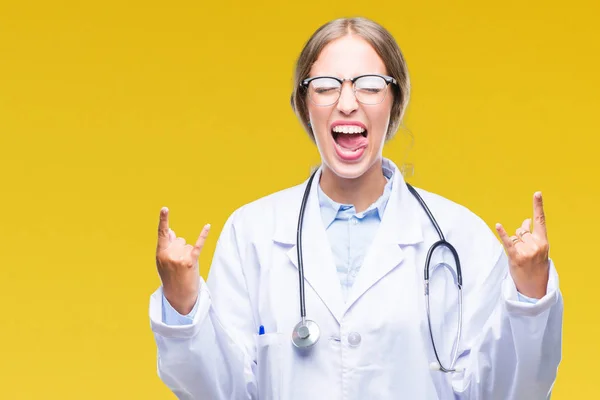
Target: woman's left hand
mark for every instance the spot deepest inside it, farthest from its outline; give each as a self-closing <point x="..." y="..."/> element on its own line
<point x="528" y="252"/>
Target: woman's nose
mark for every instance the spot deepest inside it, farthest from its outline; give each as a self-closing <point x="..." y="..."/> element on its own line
<point x="347" y="102"/>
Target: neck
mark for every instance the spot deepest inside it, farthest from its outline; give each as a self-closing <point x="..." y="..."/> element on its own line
<point x="360" y="192"/>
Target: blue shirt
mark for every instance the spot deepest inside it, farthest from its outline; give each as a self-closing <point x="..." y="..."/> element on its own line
<point x="350" y="235"/>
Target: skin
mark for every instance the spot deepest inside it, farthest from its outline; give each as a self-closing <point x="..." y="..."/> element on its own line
<point x="359" y="182"/>
<point x="527" y="252"/>
<point x="177" y="264"/>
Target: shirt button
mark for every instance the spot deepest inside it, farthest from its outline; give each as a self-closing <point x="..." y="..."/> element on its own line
<point x="354" y="221"/>
<point x="354" y="339"/>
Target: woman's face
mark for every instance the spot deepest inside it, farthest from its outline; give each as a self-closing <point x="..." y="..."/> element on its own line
<point x="349" y="135"/>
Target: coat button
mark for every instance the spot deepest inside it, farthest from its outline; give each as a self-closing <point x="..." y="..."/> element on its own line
<point x="354" y="339"/>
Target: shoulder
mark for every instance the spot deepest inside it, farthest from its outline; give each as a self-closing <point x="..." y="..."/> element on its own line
<point x="259" y="217"/>
<point x="447" y="209"/>
<point x="272" y="206"/>
<point x="478" y="247"/>
<point x="458" y="222"/>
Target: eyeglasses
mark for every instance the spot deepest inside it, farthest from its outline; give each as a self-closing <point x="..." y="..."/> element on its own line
<point x="369" y="89"/>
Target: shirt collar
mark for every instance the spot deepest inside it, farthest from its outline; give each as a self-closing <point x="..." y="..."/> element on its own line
<point x="331" y="209"/>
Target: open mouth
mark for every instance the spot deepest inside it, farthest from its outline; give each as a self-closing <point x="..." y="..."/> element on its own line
<point x="349" y="137"/>
<point x="350" y="141"/>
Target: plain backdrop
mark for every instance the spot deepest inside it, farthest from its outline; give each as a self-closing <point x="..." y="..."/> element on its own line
<point x="110" y="110"/>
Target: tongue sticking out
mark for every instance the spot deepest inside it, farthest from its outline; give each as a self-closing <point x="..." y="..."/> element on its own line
<point x="351" y="141"/>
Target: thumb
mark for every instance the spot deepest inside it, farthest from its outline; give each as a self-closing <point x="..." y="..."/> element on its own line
<point x="200" y="242"/>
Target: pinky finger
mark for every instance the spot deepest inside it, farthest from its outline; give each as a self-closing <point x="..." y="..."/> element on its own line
<point x="200" y="242"/>
<point x="506" y="241"/>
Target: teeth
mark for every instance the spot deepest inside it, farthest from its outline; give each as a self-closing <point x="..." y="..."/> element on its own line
<point x="350" y="129"/>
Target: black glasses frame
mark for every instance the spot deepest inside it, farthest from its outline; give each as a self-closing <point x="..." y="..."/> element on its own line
<point x="387" y="79"/>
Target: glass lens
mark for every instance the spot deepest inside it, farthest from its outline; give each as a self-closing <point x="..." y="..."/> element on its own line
<point x="324" y="91"/>
<point x="370" y="89"/>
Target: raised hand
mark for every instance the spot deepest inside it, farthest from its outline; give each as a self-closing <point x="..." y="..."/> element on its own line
<point x="177" y="264"/>
<point x="528" y="252"/>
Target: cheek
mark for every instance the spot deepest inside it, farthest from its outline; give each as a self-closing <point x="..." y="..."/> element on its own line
<point x="380" y="118"/>
<point x="317" y="114"/>
<point x="319" y="117"/>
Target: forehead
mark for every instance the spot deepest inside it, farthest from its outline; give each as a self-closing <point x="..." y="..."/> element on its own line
<point x="347" y="57"/>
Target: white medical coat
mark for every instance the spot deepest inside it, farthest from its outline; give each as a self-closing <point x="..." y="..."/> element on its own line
<point x="509" y="349"/>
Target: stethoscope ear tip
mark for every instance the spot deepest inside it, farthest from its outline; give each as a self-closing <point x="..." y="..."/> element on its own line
<point x="434" y="366"/>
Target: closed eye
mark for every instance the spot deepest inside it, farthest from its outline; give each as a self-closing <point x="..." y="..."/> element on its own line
<point x="322" y="90"/>
<point x="371" y="90"/>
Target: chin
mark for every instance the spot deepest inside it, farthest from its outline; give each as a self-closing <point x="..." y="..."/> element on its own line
<point x="349" y="170"/>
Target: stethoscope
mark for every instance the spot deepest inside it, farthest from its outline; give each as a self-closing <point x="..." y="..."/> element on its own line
<point x="306" y="333"/>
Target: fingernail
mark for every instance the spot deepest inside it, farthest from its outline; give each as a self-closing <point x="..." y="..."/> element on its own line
<point x="164" y="210"/>
<point x="207" y="226"/>
<point x="538" y="195"/>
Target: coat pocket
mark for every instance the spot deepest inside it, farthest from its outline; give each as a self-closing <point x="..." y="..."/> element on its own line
<point x="269" y="363"/>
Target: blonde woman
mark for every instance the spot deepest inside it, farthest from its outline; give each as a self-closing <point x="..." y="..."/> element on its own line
<point x="346" y="286"/>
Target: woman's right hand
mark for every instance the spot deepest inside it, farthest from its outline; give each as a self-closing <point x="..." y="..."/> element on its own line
<point x="177" y="264"/>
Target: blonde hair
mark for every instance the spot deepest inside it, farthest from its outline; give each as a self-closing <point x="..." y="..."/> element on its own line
<point x="384" y="44"/>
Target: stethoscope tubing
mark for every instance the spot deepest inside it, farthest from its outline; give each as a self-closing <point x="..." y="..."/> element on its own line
<point x="440" y="243"/>
<point x="299" y="247"/>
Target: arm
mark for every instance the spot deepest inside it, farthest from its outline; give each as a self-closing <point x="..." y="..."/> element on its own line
<point x="516" y="353"/>
<point x="511" y="349"/>
<point x="211" y="357"/>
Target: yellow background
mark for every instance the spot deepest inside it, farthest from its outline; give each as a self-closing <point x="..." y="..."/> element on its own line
<point x="110" y="110"/>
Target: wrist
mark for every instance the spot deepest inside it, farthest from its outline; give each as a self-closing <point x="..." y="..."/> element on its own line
<point x="533" y="288"/>
<point x="182" y="305"/>
<point x="181" y="299"/>
<point x="536" y="293"/>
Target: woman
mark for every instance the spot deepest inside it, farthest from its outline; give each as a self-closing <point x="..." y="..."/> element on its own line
<point x="365" y="239"/>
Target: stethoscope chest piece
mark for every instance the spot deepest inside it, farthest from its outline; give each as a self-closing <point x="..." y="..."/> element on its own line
<point x="306" y="333"/>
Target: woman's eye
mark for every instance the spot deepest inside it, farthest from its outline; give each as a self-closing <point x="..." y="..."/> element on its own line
<point x="323" y="90"/>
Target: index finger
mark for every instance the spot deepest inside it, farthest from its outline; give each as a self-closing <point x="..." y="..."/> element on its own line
<point x="163" y="228"/>
<point x="539" y="217"/>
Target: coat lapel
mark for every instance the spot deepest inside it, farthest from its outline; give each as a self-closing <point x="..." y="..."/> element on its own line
<point x="400" y="226"/>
